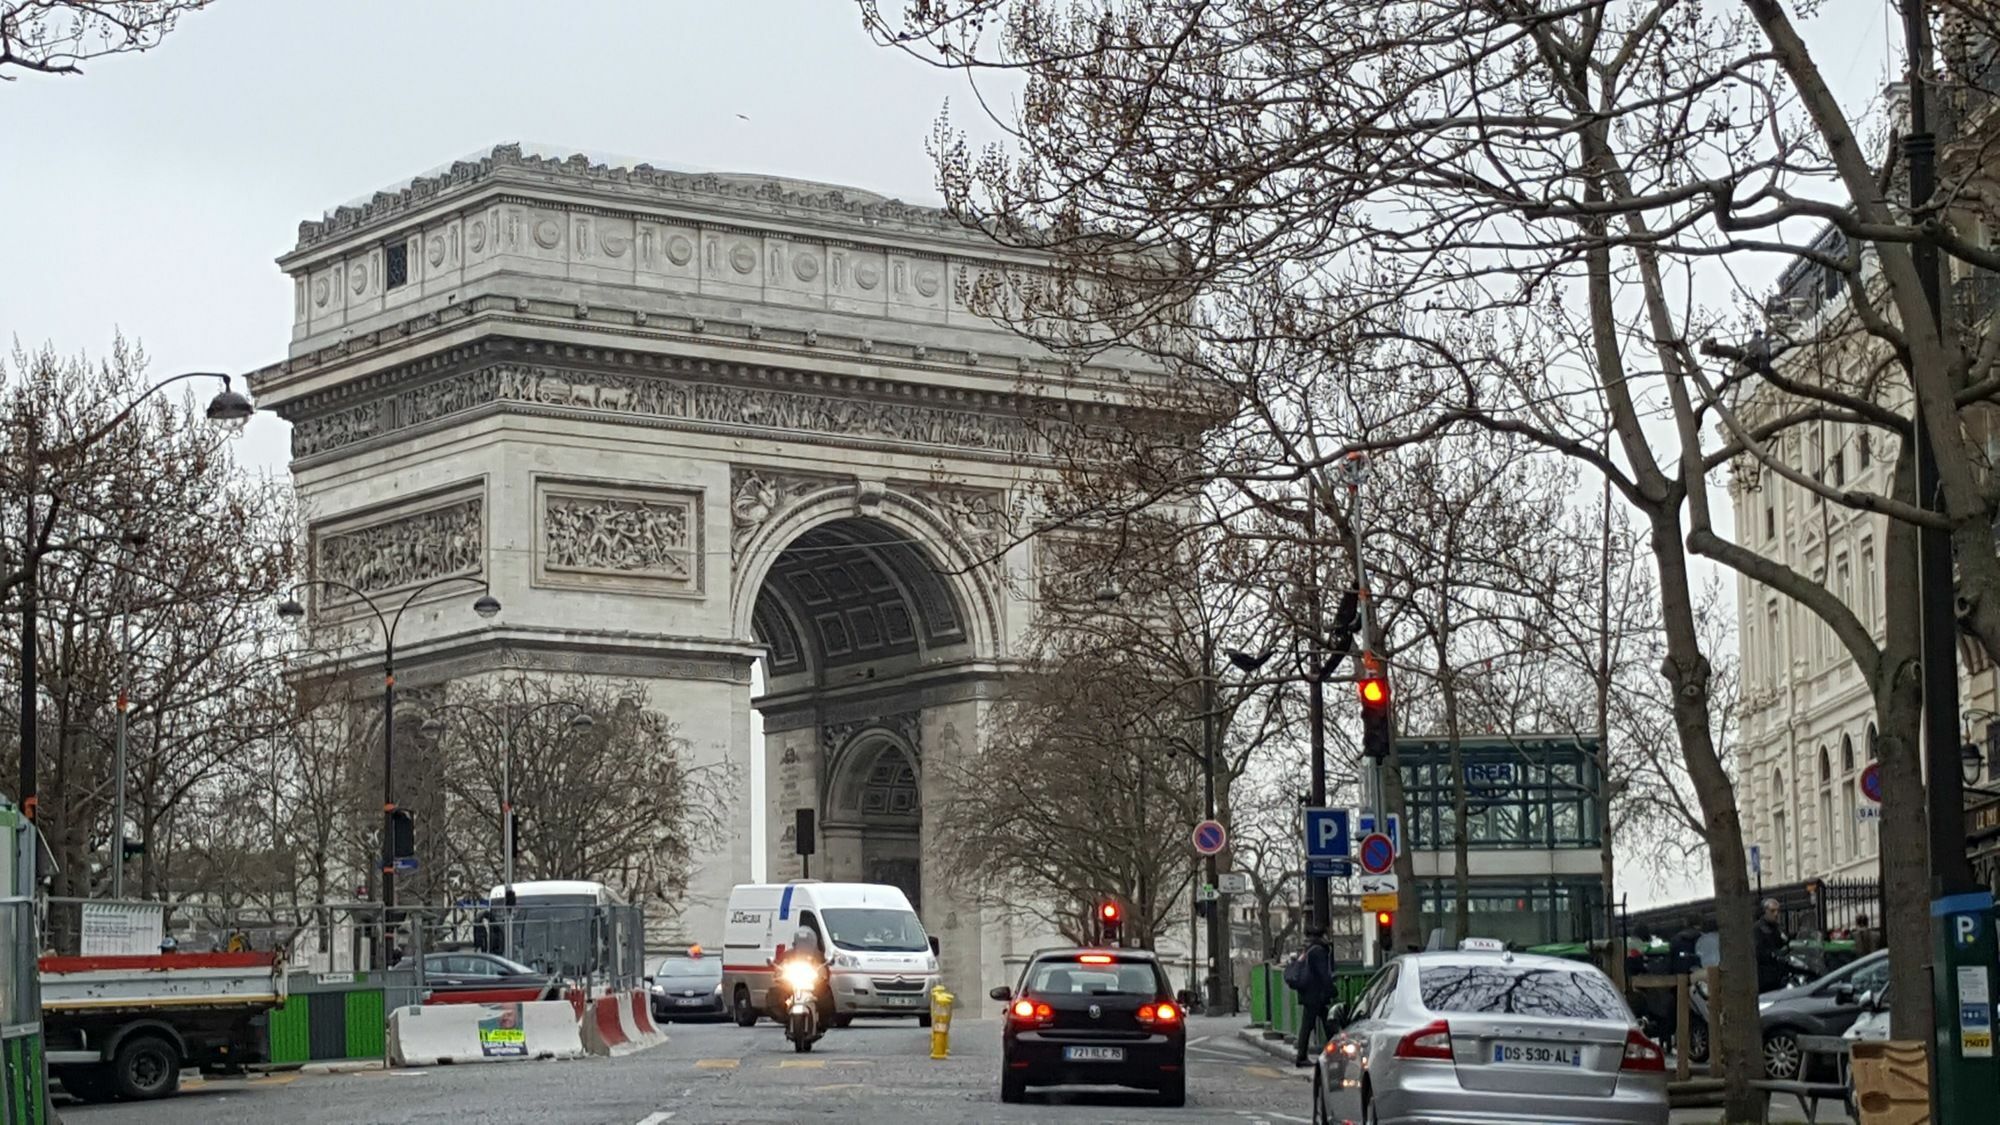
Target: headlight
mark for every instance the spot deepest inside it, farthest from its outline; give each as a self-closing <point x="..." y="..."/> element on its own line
<point x="717" y="994"/>
<point x="659" y="990"/>
<point x="846" y="961"/>
<point x="800" y="975"/>
<point x="930" y="964"/>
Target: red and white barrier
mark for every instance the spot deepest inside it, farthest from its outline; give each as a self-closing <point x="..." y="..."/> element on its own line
<point x="439" y="1035"/>
<point x="619" y="1024"/>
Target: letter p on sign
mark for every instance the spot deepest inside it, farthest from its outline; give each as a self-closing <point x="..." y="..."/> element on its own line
<point x="1966" y="927"/>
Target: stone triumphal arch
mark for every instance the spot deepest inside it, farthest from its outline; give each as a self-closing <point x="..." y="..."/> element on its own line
<point x="679" y="423"/>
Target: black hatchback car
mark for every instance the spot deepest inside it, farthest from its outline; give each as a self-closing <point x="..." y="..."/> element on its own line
<point x="1093" y="1017"/>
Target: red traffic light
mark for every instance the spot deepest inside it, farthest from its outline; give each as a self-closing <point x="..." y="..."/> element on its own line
<point x="1374" y="692"/>
<point x="1384" y="917"/>
<point x="1109" y="912"/>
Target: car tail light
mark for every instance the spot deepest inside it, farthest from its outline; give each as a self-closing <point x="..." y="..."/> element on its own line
<point x="1095" y="959"/>
<point x="1642" y="1053"/>
<point x="1431" y="1041"/>
<point x="1030" y="1013"/>
<point x="1159" y="1013"/>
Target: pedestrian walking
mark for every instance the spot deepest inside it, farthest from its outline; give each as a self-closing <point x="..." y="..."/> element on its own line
<point x="1310" y="974"/>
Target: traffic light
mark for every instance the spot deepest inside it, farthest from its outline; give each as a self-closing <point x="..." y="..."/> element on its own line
<point x="1385" y="929"/>
<point x="402" y="835"/>
<point x="1110" y="923"/>
<point x="1374" y="691"/>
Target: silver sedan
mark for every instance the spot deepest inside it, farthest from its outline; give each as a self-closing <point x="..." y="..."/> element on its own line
<point x="1481" y="1036"/>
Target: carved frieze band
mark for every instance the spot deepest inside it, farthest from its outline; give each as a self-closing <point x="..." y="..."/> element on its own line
<point x="640" y="539"/>
<point x="981" y="517"/>
<point x="439" y="541"/>
<point x="651" y="397"/>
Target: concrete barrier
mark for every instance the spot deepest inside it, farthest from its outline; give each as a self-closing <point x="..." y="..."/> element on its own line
<point x="465" y="1033"/>
<point x="604" y="1030"/>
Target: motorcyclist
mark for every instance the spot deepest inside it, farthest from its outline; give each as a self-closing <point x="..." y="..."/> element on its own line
<point x="805" y="947"/>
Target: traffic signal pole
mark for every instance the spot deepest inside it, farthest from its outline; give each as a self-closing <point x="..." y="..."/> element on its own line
<point x="1374" y="791"/>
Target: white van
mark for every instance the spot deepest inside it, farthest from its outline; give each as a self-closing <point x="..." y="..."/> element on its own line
<point x="881" y="961"/>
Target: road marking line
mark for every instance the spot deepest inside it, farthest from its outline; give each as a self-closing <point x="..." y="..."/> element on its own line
<point x="718" y="1064"/>
<point x="802" y="1064"/>
<point x="840" y="1086"/>
<point x="656" y="1118"/>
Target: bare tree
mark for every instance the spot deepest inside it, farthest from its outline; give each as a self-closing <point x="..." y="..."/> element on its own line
<point x="59" y="36"/>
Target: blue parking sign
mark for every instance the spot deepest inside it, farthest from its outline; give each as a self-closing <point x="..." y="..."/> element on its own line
<point x="1326" y="834"/>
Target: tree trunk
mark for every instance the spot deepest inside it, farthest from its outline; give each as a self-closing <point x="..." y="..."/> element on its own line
<point x="1904" y="843"/>
<point x="1737" y="1042"/>
<point x="1460" y="857"/>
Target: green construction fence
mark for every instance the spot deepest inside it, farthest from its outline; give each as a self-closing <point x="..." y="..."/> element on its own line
<point x="1275" y="1007"/>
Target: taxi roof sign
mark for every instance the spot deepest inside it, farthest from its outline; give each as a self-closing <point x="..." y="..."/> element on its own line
<point x="1482" y="945"/>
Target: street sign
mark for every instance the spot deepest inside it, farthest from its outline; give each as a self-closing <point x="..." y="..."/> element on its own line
<point x="1871" y="782"/>
<point x="1866" y="813"/>
<point x="1377" y="854"/>
<point x="1209" y="837"/>
<point x="1326" y="833"/>
<point x="1366" y="823"/>
<point x="1756" y="860"/>
<point x="1207" y="893"/>
<point x="405" y="864"/>
<point x="1378" y="884"/>
<point x="1235" y="883"/>
<point x="1328" y="869"/>
<point x="1372" y="903"/>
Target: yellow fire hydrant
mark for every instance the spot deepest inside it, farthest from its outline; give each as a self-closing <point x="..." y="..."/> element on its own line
<point x="941" y="1002"/>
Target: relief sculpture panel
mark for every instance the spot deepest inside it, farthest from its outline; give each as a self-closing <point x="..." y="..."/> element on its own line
<point x="404" y="550"/>
<point x="639" y="540"/>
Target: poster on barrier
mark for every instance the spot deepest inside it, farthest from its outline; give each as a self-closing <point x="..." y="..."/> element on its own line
<point x="500" y="1033"/>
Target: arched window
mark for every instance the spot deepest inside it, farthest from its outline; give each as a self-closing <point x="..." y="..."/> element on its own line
<point x="1846" y="754"/>
<point x="1825" y="766"/>
<point x="1778" y="783"/>
<point x="1874" y="752"/>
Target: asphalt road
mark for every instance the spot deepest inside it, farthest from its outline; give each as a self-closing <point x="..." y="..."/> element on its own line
<point x="719" y="1074"/>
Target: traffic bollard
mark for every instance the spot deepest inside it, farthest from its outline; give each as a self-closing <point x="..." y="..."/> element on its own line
<point x="941" y="1002"/>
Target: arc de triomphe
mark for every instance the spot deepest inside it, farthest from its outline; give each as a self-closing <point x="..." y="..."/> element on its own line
<point x="677" y="423"/>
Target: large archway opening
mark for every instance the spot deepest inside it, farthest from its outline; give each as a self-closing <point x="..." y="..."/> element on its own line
<point x="861" y="630"/>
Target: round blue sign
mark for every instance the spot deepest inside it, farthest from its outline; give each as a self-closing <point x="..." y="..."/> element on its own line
<point x="1378" y="854"/>
<point x="1871" y="783"/>
<point x="1209" y="837"/>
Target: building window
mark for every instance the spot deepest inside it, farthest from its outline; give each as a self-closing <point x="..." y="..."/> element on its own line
<point x="1849" y="818"/>
<point x="1825" y="766"/>
<point x="1861" y="448"/>
<point x="1846" y="754"/>
<point x="1784" y="857"/>
<point x="1874" y="752"/>
<point x="1840" y="466"/>
<point x="396" y="265"/>
<point x="1770" y="524"/>
<point x="1868" y="585"/>
<point x="1826" y="833"/>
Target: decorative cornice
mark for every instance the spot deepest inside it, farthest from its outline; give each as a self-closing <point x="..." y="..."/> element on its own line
<point x="847" y="206"/>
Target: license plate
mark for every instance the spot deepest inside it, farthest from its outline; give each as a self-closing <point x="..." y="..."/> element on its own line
<point x="691" y="1002"/>
<point x="1094" y="1054"/>
<point x="1537" y="1054"/>
<point x="905" y="1000"/>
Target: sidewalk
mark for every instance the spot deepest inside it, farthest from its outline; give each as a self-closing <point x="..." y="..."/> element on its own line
<point x="1784" y="1111"/>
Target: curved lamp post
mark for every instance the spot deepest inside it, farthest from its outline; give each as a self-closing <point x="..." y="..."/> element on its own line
<point x="228" y="409"/>
<point x="579" y="721"/>
<point x="486" y="605"/>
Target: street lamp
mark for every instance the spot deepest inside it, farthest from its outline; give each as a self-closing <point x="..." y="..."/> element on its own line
<point x="228" y="409"/>
<point x="486" y="606"/>
<point x="134" y="540"/>
<point x="509" y="734"/>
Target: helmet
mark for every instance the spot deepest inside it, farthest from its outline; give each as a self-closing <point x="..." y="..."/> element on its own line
<point x="805" y="940"/>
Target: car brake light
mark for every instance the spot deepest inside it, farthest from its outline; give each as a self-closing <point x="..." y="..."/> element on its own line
<point x="1027" y="1011"/>
<point x="1162" y="1013"/>
<point x="1095" y="959"/>
<point x="1642" y="1053"/>
<point x="1431" y="1041"/>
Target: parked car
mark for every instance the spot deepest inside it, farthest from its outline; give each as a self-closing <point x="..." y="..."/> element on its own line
<point x="1825" y="1006"/>
<point x="447" y="975"/>
<point x="1093" y="1017"/>
<point x="687" y="986"/>
<point x="1484" y="1034"/>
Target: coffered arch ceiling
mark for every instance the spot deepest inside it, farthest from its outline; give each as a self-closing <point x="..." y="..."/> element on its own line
<point x="852" y="592"/>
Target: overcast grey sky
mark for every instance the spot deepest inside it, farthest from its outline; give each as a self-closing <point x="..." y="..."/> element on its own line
<point x="151" y="194"/>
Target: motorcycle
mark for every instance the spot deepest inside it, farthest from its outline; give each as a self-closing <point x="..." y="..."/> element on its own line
<point x="802" y="1015"/>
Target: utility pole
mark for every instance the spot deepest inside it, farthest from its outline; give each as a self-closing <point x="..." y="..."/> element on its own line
<point x="1964" y="1074"/>
<point x="1222" y="980"/>
<point x="1322" y="905"/>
